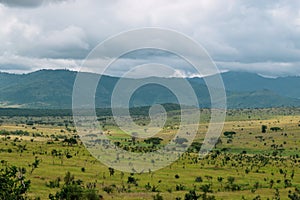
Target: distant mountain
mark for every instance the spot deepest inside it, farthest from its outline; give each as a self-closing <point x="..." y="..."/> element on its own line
<point x="249" y="82"/>
<point x="53" y="89"/>
<point x="44" y="88"/>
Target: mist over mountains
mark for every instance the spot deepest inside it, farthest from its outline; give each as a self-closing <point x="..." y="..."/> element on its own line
<point x="53" y="89"/>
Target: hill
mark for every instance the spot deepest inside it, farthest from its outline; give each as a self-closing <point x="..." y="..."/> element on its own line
<point x="53" y="89"/>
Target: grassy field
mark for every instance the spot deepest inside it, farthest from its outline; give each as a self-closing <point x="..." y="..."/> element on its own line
<point x="247" y="165"/>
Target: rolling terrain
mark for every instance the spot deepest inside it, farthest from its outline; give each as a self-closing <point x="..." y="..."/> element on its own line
<point x="53" y="89"/>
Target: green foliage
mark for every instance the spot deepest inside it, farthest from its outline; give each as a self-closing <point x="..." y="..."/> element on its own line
<point x="157" y="197"/>
<point x="132" y="180"/>
<point x="264" y="128"/>
<point x="111" y="171"/>
<point x="154" y="140"/>
<point x="195" y="147"/>
<point x="35" y="164"/>
<point x="206" y="188"/>
<point x="17" y="132"/>
<point x="275" y="129"/>
<point x="74" y="190"/>
<point x="256" y="168"/>
<point x="54" y="184"/>
<point x="70" y="141"/>
<point x="13" y="183"/>
<point x="108" y="189"/>
<point x="229" y="133"/>
<point x="180" y="187"/>
<point x="294" y="195"/>
<point x="230" y="179"/>
<point x="191" y="195"/>
<point x="198" y="179"/>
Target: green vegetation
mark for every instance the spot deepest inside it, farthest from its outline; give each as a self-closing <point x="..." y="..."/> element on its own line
<point x="13" y="183"/>
<point x="246" y="163"/>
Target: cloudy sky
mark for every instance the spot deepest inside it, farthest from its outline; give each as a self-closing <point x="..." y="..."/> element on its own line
<point x="247" y="35"/>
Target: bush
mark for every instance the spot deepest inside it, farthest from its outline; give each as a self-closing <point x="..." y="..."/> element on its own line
<point x="195" y="147"/>
<point x="198" y="179"/>
<point x="180" y="187"/>
<point x="157" y="197"/>
<point x="108" y="189"/>
<point x="229" y="133"/>
<point x="132" y="180"/>
<point x="154" y="140"/>
<point x="191" y="195"/>
<point x="74" y="190"/>
<point x="275" y="129"/>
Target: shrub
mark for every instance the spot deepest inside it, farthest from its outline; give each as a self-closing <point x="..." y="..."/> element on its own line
<point x="74" y="189"/>
<point x="229" y="133"/>
<point x="132" y="180"/>
<point x="180" y="187"/>
<point x="191" y="195"/>
<point x="157" y="197"/>
<point x="198" y="179"/>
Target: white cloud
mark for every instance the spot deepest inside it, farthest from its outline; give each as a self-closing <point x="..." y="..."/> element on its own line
<point x="250" y="34"/>
<point x="19" y="64"/>
<point x="272" y="69"/>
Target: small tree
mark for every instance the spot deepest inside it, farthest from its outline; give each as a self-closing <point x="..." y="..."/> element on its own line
<point x="111" y="171"/>
<point x="264" y="128"/>
<point x="35" y="164"/>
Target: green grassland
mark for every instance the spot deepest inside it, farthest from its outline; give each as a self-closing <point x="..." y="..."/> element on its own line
<point x="246" y="165"/>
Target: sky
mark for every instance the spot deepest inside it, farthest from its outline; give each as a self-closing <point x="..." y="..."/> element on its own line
<point x="246" y="35"/>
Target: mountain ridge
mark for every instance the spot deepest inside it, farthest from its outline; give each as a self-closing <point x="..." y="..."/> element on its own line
<point x="53" y="89"/>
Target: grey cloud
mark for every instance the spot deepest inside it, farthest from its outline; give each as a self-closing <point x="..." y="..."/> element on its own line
<point x="14" y="67"/>
<point x="246" y="34"/>
<point x="28" y="3"/>
<point x="19" y="64"/>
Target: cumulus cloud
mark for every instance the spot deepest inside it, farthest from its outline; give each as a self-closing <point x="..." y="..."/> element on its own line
<point x="244" y="35"/>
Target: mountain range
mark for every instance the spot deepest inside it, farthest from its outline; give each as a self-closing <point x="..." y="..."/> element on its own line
<point x="53" y="89"/>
